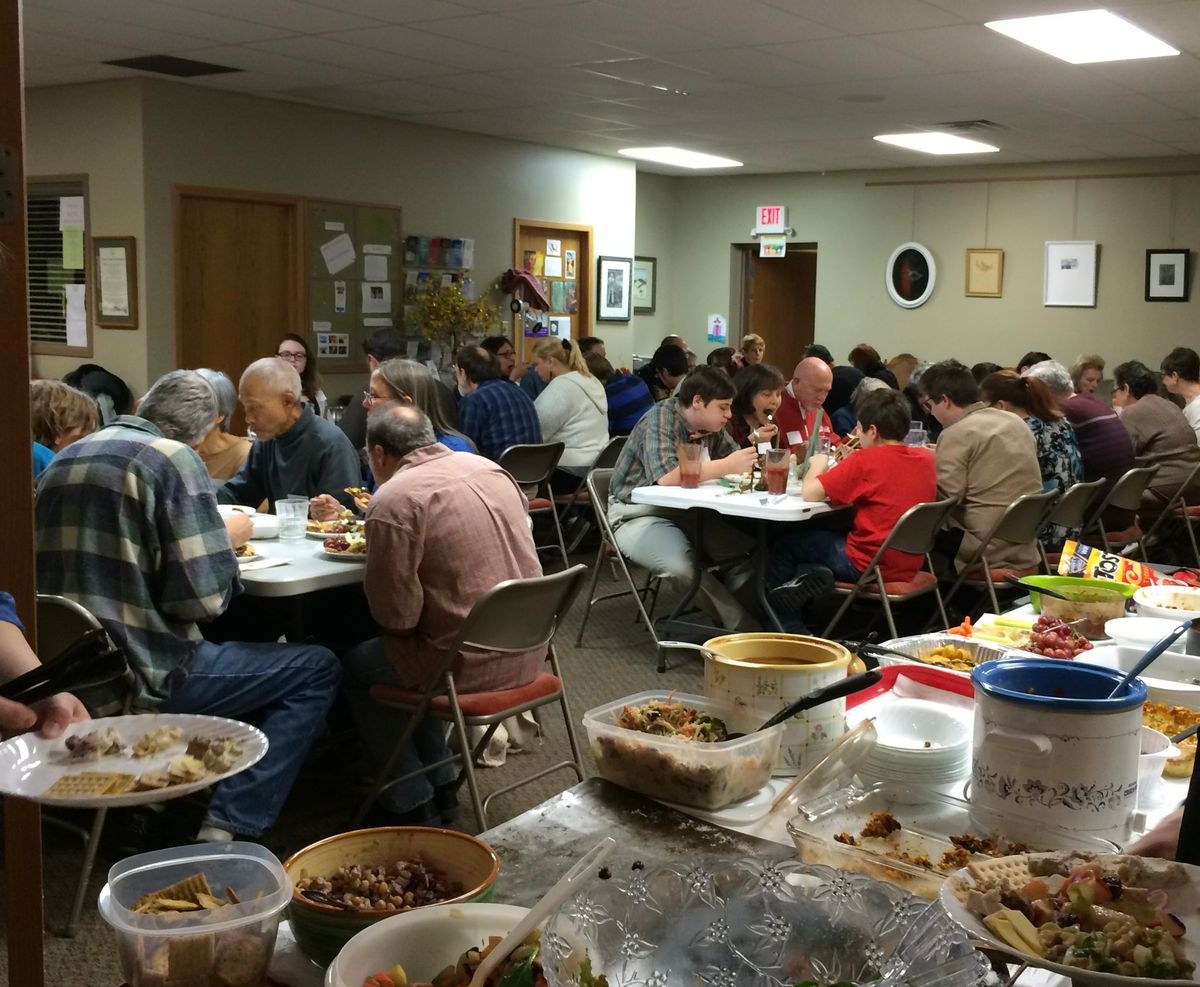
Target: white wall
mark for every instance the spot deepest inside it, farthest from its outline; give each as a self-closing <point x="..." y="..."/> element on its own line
<point x="856" y="227"/>
<point x="657" y="220"/>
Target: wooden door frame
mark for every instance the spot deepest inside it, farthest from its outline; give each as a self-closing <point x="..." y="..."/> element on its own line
<point x="583" y="293"/>
<point x="739" y="273"/>
<point x="298" y="279"/>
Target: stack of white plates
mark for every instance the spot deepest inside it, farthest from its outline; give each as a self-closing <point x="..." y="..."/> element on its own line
<point x="920" y="743"/>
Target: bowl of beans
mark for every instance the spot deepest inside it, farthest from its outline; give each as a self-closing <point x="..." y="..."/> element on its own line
<point x="343" y="884"/>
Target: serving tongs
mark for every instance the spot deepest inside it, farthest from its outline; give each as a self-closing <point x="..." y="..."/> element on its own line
<point x="90" y="661"/>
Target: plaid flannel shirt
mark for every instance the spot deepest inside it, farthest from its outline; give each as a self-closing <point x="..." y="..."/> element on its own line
<point x="127" y="526"/>
<point x="497" y="415"/>
<point x="653" y="449"/>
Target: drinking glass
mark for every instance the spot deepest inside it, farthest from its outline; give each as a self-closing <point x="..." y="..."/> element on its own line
<point x="778" y="463"/>
<point x="292" y="512"/>
<point x="916" y="434"/>
<point x="689" y="465"/>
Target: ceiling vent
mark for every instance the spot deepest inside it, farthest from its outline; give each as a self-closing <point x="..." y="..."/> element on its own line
<point x="181" y="68"/>
<point x="970" y="126"/>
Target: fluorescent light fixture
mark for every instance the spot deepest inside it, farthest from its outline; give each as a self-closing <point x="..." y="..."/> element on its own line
<point x="679" y="156"/>
<point x="936" y="143"/>
<point x="1084" y="36"/>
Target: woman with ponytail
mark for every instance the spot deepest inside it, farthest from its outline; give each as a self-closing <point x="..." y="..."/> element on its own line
<point x="573" y="410"/>
<point x="1057" y="450"/>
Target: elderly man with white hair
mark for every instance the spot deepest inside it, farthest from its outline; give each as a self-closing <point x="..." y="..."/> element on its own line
<point x="127" y="526"/>
<point x="1104" y="443"/>
<point x="297" y="452"/>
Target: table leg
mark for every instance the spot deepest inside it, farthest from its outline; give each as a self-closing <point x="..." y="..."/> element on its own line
<point x="673" y="624"/>
<point x="764" y="561"/>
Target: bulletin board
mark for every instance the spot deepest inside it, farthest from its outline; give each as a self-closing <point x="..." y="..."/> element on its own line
<point x="355" y="278"/>
<point x="559" y="255"/>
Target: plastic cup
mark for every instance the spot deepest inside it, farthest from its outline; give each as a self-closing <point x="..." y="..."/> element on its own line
<point x="778" y="463"/>
<point x="292" y="512"/>
<point x="689" y="465"/>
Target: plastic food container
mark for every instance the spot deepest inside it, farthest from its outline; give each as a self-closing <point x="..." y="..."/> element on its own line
<point x="1062" y="583"/>
<point x="924" y="836"/>
<point x="222" y="947"/>
<point x="1174" y="678"/>
<point x="1094" y="605"/>
<point x="703" y="775"/>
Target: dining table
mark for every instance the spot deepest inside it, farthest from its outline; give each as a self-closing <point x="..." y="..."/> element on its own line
<point x="719" y="497"/>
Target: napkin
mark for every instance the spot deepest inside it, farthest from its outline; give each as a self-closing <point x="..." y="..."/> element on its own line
<point x="261" y="563"/>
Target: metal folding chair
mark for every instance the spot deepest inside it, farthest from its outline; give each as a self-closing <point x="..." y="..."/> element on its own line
<point x="1072" y="512"/>
<point x="607" y="459"/>
<point x="1126" y="494"/>
<point x="1175" y="509"/>
<point x="532" y="466"/>
<point x="914" y="532"/>
<point x="516" y="616"/>
<point x="61" y="622"/>
<point x="1018" y="525"/>
<point x="599" y="482"/>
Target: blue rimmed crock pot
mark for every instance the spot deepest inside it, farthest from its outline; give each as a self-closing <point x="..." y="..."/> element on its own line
<point x="1051" y="749"/>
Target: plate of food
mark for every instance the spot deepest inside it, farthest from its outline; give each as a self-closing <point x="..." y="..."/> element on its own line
<point x="247" y="553"/>
<point x="1097" y="918"/>
<point x="128" y="760"/>
<point x="352" y="548"/>
<point x="345" y="524"/>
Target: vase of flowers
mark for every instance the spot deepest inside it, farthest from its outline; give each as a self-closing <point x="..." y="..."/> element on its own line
<point x="445" y="314"/>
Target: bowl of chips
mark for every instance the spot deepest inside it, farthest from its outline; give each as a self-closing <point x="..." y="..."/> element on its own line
<point x="201" y="915"/>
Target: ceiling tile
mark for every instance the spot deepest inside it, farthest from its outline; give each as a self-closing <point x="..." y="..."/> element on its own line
<point x="99" y="30"/>
<point x="43" y="49"/>
<point x="324" y="50"/>
<point x="405" y="40"/>
<point x="850" y="59"/>
<point x="162" y="17"/>
<point x="870" y="16"/>
<point x="961" y="48"/>
<point x="396" y="11"/>
<point x="1153" y="75"/>
<point x="640" y="25"/>
<point x="537" y="40"/>
<point x="291" y="15"/>
<point x="269" y="63"/>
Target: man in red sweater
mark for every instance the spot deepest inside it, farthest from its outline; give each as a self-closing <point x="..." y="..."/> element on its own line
<point x="881" y="481"/>
<point x="802" y="400"/>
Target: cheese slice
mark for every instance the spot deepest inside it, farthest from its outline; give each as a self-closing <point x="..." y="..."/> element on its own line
<point x="1015" y="929"/>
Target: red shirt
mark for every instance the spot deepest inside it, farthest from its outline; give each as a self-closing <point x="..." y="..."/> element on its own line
<point x="881" y="483"/>
<point x="791" y="418"/>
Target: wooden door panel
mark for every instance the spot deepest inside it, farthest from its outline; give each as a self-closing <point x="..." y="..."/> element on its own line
<point x="781" y="309"/>
<point x="532" y="236"/>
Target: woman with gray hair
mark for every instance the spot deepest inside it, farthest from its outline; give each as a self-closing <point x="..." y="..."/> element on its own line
<point x="223" y="453"/>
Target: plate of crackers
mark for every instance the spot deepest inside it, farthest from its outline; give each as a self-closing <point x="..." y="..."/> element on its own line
<point x="1098" y="918"/>
<point x="128" y="760"/>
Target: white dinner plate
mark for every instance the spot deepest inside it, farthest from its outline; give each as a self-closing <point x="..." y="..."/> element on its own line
<point x="1183" y="900"/>
<point x="258" y="554"/>
<point x="344" y="556"/>
<point x="322" y="535"/>
<point x="30" y="764"/>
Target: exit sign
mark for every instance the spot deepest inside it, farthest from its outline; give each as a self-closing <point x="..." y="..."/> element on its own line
<point x="771" y="219"/>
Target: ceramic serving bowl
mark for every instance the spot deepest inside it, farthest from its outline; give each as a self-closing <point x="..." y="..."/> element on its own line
<point x="1174" y="678"/>
<point x="322" y="930"/>
<point x="1173" y="603"/>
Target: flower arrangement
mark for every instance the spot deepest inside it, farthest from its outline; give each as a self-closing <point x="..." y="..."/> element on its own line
<point x="445" y="314"/>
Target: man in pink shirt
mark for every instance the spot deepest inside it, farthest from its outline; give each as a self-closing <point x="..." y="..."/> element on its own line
<point x="443" y="530"/>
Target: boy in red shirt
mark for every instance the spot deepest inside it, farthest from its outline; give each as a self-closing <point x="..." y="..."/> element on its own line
<point x="881" y="481"/>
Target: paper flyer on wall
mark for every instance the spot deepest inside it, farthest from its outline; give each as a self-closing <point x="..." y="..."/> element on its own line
<point x="339" y="296"/>
<point x="568" y="263"/>
<point x="468" y="253"/>
<point x="338" y="253"/>
<point x="70" y="211"/>
<point x="72" y="248"/>
<point x="554" y="248"/>
<point x="114" y="282"/>
<point x="376" y="297"/>
<point x="560" y="326"/>
<point x="76" y="314"/>
<point x="375" y="267"/>
<point x="553" y="267"/>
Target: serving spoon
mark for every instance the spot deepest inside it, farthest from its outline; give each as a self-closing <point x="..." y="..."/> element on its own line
<point x="1017" y="581"/>
<point x="840" y="688"/>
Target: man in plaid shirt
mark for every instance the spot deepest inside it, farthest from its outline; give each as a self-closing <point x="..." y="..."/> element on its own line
<point x="493" y="413"/>
<point x="652" y="536"/>
<point x="127" y="526"/>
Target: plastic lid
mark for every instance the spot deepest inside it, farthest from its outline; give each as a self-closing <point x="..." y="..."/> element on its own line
<point x="1057" y="684"/>
<point x="835" y="770"/>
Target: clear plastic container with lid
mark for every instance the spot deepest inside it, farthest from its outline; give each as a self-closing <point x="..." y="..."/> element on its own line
<point x="229" y="946"/>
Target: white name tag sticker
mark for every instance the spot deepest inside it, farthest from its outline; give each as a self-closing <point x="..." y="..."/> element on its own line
<point x="794" y="438"/>
<point x="764" y="447"/>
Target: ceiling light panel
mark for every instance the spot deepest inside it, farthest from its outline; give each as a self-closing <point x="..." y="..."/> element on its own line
<point x="1084" y="36"/>
<point x="937" y="143"/>
<point x="679" y="157"/>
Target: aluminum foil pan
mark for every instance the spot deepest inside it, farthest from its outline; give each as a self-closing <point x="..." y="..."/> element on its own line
<point x="917" y="647"/>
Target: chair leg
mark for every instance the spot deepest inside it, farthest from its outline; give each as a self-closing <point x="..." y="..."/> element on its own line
<point x="1044" y="558"/>
<point x="587" y="611"/>
<point x="937" y="592"/>
<point x="1104" y="536"/>
<point x="841" y="611"/>
<point x="382" y="781"/>
<point x="468" y="766"/>
<point x="887" y="607"/>
<point x="991" y="586"/>
<point x="85" y="875"/>
<point x="558" y="532"/>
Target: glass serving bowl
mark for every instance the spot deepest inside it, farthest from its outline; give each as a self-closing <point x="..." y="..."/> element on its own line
<point x="755" y="923"/>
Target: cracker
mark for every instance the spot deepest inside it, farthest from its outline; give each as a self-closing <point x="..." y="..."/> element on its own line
<point x="1000" y="871"/>
<point x="86" y="784"/>
<point x="123" y="784"/>
<point x="186" y="890"/>
<point x="189" y="957"/>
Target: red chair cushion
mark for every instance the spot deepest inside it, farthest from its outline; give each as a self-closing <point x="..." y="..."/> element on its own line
<point x="1054" y="558"/>
<point x="474" y="703"/>
<point x="1130" y="534"/>
<point x="920" y="583"/>
<point x="975" y="575"/>
<point x="579" y="498"/>
<point x="540" y="504"/>
<point x="1192" y="511"/>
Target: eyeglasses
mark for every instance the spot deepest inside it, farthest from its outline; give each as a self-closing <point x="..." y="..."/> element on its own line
<point x="926" y="406"/>
<point x="370" y="399"/>
<point x="293" y="357"/>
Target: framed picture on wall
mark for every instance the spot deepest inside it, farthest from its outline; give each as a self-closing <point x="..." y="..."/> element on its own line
<point x="614" y="287"/>
<point x="910" y="275"/>
<point x="645" y="277"/>
<point x="1069" y="278"/>
<point x="1167" y="275"/>
<point x="114" y="260"/>
<point x="985" y="272"/>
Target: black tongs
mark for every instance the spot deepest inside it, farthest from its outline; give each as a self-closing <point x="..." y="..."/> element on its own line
<point x="91" y="660"/>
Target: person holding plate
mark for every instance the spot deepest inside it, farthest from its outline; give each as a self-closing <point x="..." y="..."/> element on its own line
<point x="51" y="716"/>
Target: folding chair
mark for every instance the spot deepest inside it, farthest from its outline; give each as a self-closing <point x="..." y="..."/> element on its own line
<point x="62" y="622"/>
<point x="607" y="459"/>
<point x="516" y="616"/>
<point x="1072" y="512"/>
<point x="532" y="466"/>
<point x="1175" y="509"/>
<point x="1189" y="514"/>
<point x="914" y="532"/>
<point x="598" y="483"/>
<point x="1126" y="494"/>
<point x="1018" y="525"/>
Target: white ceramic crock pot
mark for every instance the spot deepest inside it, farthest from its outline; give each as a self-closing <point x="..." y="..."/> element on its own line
<point x="765" y="672"/>
<point x="1050" y="749"/>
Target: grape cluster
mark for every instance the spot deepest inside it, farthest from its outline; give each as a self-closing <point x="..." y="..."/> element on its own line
<point x="1052" y="638"/>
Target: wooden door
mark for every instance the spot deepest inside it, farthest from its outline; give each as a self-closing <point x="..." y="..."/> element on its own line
<point x="781" y="295"/>
<point x="238" y="277"/>
<point x="570" y="290"/>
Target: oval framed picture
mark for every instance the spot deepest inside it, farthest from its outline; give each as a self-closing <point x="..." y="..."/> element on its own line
<point x="910" y="274"/>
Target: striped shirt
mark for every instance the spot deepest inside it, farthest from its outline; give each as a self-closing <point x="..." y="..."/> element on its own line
<point x="127" y="526"/>
<point x="497" y="415"/>
<point x="628" y="399"/>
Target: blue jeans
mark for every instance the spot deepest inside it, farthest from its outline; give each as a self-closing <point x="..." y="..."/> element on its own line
<point x="283" y="689"/>
<point x="381" y="727"/>
<point x="803" y="551"/>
